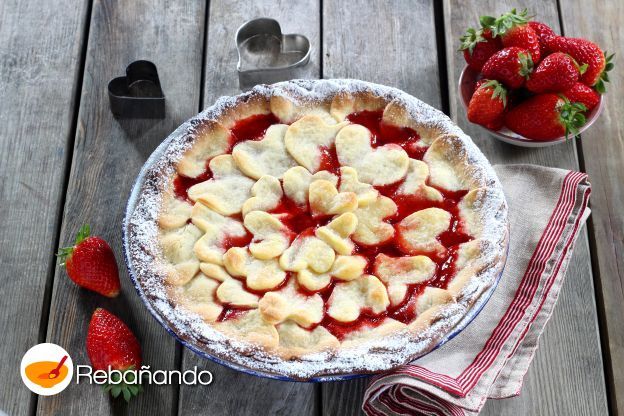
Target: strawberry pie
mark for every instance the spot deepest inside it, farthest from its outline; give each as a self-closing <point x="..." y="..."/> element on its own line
<point x="314" y="228"/>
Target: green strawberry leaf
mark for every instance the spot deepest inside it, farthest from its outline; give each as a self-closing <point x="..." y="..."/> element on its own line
<point x="499" y="90"/>
<point x="526" y="64"/>
<point x="487" y="21"/>
<point x="583" y="68"/>
<point x="470" y="39"/>
<point x="572" y="117"/>
<point x="115" y="391"/>
<point x="127" y="390"/>
<point x="600" y="86"/>
<point x="83" y="233"/>
<point x="505" y="22"/>
<point x="65" y="252"/>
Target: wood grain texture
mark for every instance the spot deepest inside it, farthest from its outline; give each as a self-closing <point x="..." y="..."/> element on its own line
<point x="262" y="396"/>
<point x="40" y="57"/>
<point x="566" y="375"/>
<point x="603" y="155"/>
<point x="391" y="43"/>
<point x="387" y="42"/>
<point x="107" y="157"/>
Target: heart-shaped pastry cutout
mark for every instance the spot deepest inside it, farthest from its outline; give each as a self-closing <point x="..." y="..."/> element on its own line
<point x="271" y="237"/>
<point x="268" y="156"/>
<point x="344" y="268"/>
<point x="400" y="272"/>
<point x="350" y="298"/>
<point x="326" y="200"/>
<point x="418" y="232"/>
<point x="308" y="140"/>
<point x="216" y="227"/>
<point x="336" y="233"/>
<point x="297" y="182"/>
<point x="308" y="252"/>
<point x="371" y="227"/>
<point x="258" y="274"/>
<point x="289" y="304"/>
<point x="227" y="190"/>
<point x="378" y="166"/>
<point x="198" y="296"/>
<point x="267" y="193"/>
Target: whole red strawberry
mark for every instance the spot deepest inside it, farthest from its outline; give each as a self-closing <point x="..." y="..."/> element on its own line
<point x="91" y="264"/>
<point x="513" y="29"/>
<point x="545" y="34"/>
<point x="546" y="117"/>
<point x="487" y="104"/>
<point x="478" y="46"/>
<point x="585" y="53"/>
<point x="557" y="72"/>
<point x="110" y="343"/>
<point x="581" y="93"/>
<point x="511" y="66"/>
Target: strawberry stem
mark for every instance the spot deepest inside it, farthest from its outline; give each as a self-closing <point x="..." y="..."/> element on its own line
<point x="604" y="77"/>
<point x="470" y="39"/>
<point x="83" y="233"/>
<point x="65" y="252"/>
<point x="499" y="26"/>
<point x="118" y="387"/>
<point x="572" y="117"/>
<point x="526" y="64"/>
<point x="499" y="90"/>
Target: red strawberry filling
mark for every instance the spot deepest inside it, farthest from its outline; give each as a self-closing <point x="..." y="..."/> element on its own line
<point x="300" y="221"/>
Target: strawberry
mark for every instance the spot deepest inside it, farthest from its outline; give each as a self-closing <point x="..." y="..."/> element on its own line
<point x="111" y="343"/>
<point x="91" y="264"/>
<point x="545" y="117"/>
<point x="513" y="29"/>
<point x="583" y="94"/>
<point x="511" y="66"/>
<point x="478" y="46"/>
<point x="544" y="33"/>
<point x="487" y="104"/>
<point x="586" y="53"/>
<point x="557" y="72"/>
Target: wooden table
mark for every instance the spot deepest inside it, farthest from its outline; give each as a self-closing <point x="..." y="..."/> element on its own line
<point x="66" y="161"/>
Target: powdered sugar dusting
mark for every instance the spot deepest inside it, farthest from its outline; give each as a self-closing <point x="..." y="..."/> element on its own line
<point x="144" y="256"/>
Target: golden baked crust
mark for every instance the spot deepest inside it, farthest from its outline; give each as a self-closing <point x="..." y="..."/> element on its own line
<point x="231" y="251"/>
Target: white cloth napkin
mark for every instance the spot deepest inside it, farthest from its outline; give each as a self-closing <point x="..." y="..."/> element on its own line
<point x="490" y="357"/>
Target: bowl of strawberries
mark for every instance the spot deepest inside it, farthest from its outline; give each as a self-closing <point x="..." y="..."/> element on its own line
<point x="529" y="86"/>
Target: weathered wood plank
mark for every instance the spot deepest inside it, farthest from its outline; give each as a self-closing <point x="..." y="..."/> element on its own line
<point x="603" y="156"/>
<point x="261" y="396"/>
<point x="39" y="73"/>
<point x="107" y="156"/>
<point x="566" y="376"/>
<point x="391" y="43"/>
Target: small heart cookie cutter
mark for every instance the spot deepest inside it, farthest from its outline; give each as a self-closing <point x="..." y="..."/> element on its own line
<point x="266" y="56"/>
<point x="138" y="94"/>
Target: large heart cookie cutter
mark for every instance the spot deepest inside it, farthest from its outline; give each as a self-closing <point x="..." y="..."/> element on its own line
<point x="265" y="55"/>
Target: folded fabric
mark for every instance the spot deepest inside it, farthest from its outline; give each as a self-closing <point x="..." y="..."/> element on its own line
<point x="490" y="357"/>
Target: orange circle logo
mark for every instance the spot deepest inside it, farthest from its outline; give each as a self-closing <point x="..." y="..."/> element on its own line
<point x="47" y="369"/>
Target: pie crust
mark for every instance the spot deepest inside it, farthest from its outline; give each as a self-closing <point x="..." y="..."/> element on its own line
<point x="316" y="228"/>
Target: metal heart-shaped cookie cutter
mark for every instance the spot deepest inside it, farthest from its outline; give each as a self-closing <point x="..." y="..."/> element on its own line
<point x="265" y="55"/>
<point x="138" y="94"/>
